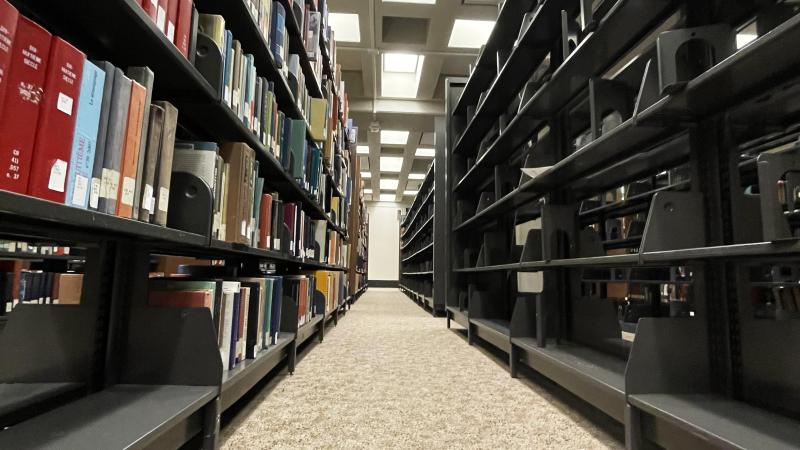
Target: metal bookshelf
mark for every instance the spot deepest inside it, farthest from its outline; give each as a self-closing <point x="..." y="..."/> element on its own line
<point x="110" y="372"/>
<point x="417" y="245"/>
<point x="649" y="263"/>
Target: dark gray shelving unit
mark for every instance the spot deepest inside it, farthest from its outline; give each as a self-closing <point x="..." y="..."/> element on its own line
<point x="417" y="246"/>
<point x="650" y="262"/>
<point x="112" y="372"/>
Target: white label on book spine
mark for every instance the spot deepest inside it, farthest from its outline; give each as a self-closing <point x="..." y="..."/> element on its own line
<point x="94" y="197"/>
<point x="236" y="97"/>
<point x="64" y="103"/>
<point x="227" y="95"/>
<point x="154" y="3"/>
<point x="277" y="244"/>
<point x="171" y="31"/>
<point x="147" y="198"/>
<point x="244" y="228"/>
<point x="128" y="188"/>
<point x="161" y="18"/>
<point x="58" y="176"/>
<point x="163" y="199"/>
<point x="79" y="190"/>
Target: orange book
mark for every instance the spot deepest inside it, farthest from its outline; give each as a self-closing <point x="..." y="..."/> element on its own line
<point x="181" y="299"/>
<point x="130" y="154"/>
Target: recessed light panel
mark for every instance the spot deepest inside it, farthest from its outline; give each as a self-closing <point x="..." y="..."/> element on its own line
<point x="388" y="184"/>
<point x="387" y="197"/>
<point x="362" y="149"/>
<point x="391" y="164"/>
<point x="401" y="74"/>
<point x="425" y="153"/>
<point x="393" y="137"/>
<point x="470" y="33"/>
<point x="416" y="176"/>
<point x="345" y="26"/>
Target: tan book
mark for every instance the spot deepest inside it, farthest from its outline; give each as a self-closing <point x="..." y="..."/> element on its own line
<point x="241" y="158"/>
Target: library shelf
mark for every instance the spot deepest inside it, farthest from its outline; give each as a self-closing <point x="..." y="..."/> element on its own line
<point x="419" y="201"/>
<point x="460" y="316"/>
<point x="595" y="376"/>
<point x="630" y="203"/>
<point x="39" y="256"/>
<point x="494" y="331"/>
<point x="423" y="300"/>
<point x="239" y="380"/>
<point x="418" y="252"/>
<point x="33" y="216"/>
<point x="592" y="55"/>
<point x="296" y="45"/>
<point x="421" y="228"/>
<point x="514" y="199"/>
<point x="426" y="273"/>
<point x="717" y="421"/>
<point x="245" y="29"/>
<point x="17" y="399"/>
<point x="122" y="416"/>
<point x="502" y="35"/>
<point x="531" y="48"/>
<point x="308" y="329"/>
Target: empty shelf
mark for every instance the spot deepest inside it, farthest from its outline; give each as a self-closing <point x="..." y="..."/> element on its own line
<point x="722" y="421"/>
<point x="121" y="417"/>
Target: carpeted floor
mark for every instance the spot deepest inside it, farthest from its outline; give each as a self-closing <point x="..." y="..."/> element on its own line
<point x="391" y="376"/>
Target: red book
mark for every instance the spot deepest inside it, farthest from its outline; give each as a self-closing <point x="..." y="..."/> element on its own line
<point x="17" y="131"/>
<point x="172" y="19"/>
<point x="130" y="151"/>
<point x="59" y="108"/>
<point x="8" y="29"/>
<point x="151" y="8"/>
<point x="265" y="221"/>
<point x="183" y="28"/>
<point x="161" y="15"/>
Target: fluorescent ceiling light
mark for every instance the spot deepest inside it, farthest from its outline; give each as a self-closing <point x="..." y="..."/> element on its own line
<point x="345" y="26"/>
<point x="362" y="149"/>
<point x="387" y="197"/>
<point x="425" y="153"/>
<point x="400" y="62"/>
<point x="410" y="192"/>
<point x="391" y="164"/>
<point x="470" y="33"/>
<point x="366" y="175"/>
<point x="368" y="191"/>
<point x="393" y="137"/>
<point x="416" y="176"/>
<point x="416" y="2"/>
<point x="400" y="74"/>
<point x="389" y="184"/>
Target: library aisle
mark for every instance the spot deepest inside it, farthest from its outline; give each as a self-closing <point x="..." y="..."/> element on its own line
<point x="392" y="376"/>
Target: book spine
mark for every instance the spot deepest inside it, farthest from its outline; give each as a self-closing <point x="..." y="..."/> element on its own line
<point x="29" y="60"/>
<point x="56" y="128"/>
<point x="172" y="19"/>
<point x="130" y="155"/>
<point x="145" y="77"/>
<point x="164" y="172"/>
<point x="153" y="152"/>
<point x="278" y="33"/>
<point x="183" y="27"/>
<point x="8" y="30"/>
<point x="161" y="15"/>
<point x="84" y="143"/>
<point x="150" y="7"/>
<point x="102" y="132"/>
<point x="115" y="141"/>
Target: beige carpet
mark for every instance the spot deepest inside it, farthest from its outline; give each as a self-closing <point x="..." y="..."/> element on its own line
<point x="391" y="376"/>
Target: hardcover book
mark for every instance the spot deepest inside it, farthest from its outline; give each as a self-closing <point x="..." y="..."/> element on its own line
<point x="145" y="77"/>
<point x="8" y="30"/>
<point x="152" y="153"/>
<point x="164" y="170"/>
<point x="56" y="128"/>
<point x="130" y="154"/>
<point x="84" y="142"/>
<point x="27" y="70"/>
<point x="115" y="140"/>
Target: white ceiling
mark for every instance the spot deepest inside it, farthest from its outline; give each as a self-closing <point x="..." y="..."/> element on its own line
<point x="410" y="28"/>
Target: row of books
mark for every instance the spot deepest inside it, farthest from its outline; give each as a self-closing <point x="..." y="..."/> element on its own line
<point x="26" y="249"/>
<point x="252" y="98"/>
<point x="81" y="133"/>
<point x="20" y="285"/>
<point x="247" y="310"/>
<point x="174" y="18"/>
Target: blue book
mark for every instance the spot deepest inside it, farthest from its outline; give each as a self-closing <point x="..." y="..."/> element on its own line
<point x="275" y="314"/>
<point x="247" y="98"/>
<point x="227" y="76"/>
<point x="84" y="144"/>
<point x="277" y="33"/>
